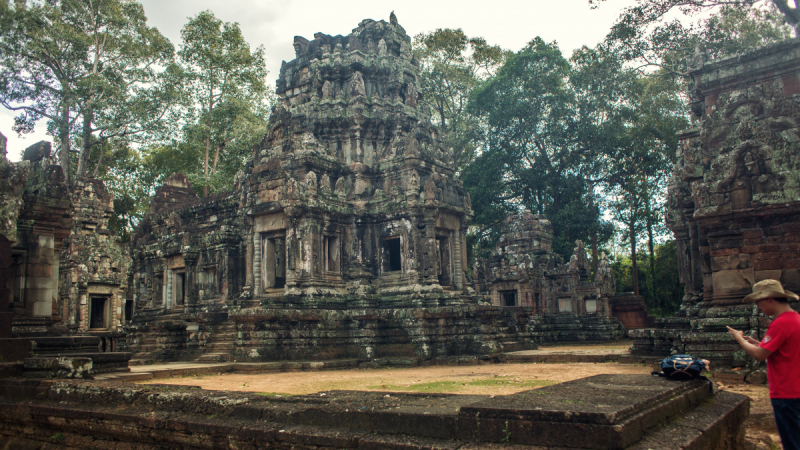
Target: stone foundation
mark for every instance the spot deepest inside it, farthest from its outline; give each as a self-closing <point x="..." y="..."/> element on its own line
<point x="600" y="412"/>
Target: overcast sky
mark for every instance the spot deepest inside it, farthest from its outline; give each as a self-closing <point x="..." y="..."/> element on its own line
<point x="274" y="23"/>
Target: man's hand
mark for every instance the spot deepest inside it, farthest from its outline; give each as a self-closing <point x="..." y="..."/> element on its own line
<point x="737" y="335"/>
<point x="750" y="340"/>
<point x="749" y="345"/>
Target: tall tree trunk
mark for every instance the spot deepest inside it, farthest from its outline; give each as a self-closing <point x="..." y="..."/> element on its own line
<point x="594" y="254"/>
<point x="634" y="267"/>
<point x="99" y="160"/>
<point x="63" y="136"/>
<point x="86" y="148"/>
<point x="651" y="276"/>
<point x="205" y="188"/>
<point x="216" y="158"/>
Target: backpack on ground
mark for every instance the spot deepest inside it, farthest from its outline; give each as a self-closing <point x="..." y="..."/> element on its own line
<point x="682" y="367"/>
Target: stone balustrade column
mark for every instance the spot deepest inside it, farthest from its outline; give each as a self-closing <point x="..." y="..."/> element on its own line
<point x="458" y="275"/>
<point x="257" y="283"/>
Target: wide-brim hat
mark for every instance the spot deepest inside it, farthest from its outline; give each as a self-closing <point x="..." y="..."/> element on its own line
<point x="769" y="289"/>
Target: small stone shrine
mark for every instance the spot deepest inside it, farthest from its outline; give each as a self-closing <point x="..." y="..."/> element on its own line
<point x="58" y="257"/>
<point x="524" y="271"/>
<point x="734" y="200"/>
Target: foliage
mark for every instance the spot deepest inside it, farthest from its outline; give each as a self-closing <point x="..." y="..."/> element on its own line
<point x="664" y="295"/>
<point x="90" y="67"/>
<point x="665" y="33"/>
<point x="451" y="65"/>
<point x="226" y="83"/>
<point x="558" y="134"/>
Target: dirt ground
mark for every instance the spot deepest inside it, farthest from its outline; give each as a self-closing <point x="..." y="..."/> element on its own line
<point x="489" y="379"/>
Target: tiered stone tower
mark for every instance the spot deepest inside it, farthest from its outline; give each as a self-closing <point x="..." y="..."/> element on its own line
<point x="352" y="195"/>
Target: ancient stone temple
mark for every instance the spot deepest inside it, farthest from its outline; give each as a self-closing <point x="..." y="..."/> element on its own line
<point x="524" y="271"/>
<point x="734" y="199"/>
<point x="343" y="238"/>
<point x="57" y="257"/>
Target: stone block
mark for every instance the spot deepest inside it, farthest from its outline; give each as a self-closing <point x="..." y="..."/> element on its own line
<point x="768" y="275"/>
<point x="752" y="234"/>
<point x="725" y="252"/>
<point x="769" y="264"/>
<point x="728" y="279"/>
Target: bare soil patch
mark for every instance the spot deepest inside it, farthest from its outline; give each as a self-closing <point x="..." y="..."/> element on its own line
<point x="489" y="379"/>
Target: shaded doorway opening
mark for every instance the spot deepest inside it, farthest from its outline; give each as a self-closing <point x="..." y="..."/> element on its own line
<point x="393" y="261"/>
<point x="330" y="249"/>
<point x="128" y="310"/>
<point x="180" y="288"/>
<point x="98" y="313"/>
<point x="273" y="262"/>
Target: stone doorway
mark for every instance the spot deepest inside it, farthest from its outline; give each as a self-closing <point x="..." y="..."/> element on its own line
<point x="273" y="267"/>
<point x="99" y="312"/>
<point x="393" y="261"/>
<point x="179" y="288"/>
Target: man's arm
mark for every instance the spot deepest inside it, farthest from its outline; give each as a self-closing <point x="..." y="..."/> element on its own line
<point x="754" y="350"/>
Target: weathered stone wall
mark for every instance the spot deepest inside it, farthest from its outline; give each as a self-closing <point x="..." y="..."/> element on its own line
<point x="734" y="197"/>
<point x="43" y="221"/>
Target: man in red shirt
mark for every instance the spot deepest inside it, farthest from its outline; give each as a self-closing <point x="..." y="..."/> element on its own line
<point x="781" y="348"/>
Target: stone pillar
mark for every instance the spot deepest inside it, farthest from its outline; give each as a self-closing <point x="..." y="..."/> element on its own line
<point x="41" y="288"/>
<point x="257" y="283"/>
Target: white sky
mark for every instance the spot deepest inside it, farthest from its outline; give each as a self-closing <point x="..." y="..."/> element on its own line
<point x="274" y="23"/>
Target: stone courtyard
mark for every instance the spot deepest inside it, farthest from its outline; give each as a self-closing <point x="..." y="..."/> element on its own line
<point x="343" y="243"/>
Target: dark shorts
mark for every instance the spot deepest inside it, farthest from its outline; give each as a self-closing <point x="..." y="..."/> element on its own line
<point x="787" y="417"/>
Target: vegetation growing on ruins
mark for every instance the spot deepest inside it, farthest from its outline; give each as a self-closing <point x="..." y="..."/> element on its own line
<point x="587" y="139"/>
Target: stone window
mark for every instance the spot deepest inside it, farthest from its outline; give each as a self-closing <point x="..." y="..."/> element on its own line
<point x="565" y="305"/>
<point x="128" y="310"/>
<point x="508" y="298"/>
<point x="208" y="280"/>
<point x="273" y="262"/>
<point x="392" y="255"/>
<point x="331" y="253"/>
<point x="591" y="306"/>
<point x="99" y="312"/>
<point x="445" y="260"/>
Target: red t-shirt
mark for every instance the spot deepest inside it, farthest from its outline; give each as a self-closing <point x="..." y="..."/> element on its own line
<point x="783" y="365"/>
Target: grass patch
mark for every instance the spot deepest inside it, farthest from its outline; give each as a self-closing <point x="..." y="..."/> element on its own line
<point x="456" y="386"/>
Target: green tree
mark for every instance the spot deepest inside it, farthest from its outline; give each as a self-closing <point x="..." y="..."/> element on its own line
<point x="664" y="34"/>
<point x="222" y="72"/>
<point x="451" y="66"/>
<point x="43" y="60"/>
<point x="90" y="67"/>
<point x="124" y="93"/>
